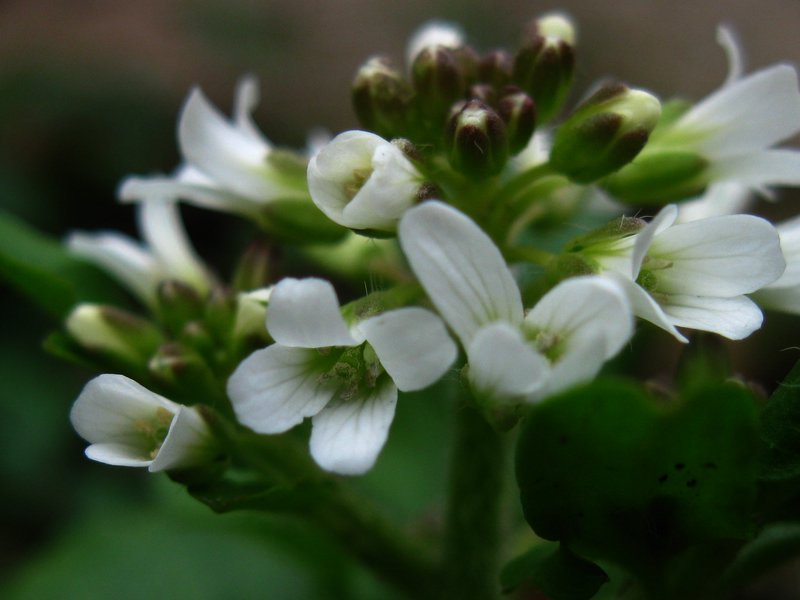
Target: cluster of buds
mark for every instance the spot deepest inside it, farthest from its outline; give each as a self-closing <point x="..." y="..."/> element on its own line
<point x="479" y="108"/>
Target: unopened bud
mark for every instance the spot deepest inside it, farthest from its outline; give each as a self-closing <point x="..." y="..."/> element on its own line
<point x="604" y="133"/>
<point x="659" y="177"/>
<point x="518" y="111"/>
<point x="483" y="92"/>
<point x="221" y="313"/>
<point x="381" y="97"/>
<point x="438" y="82"/>
<point x="252" y="272"/>
<point x="545" y="64"/>
<point x="495" y="69"/>
<point x="185" y="372"/>
<point x="113" y="332"/>
<point x="476" y="140"/>
<point x="178" y="303"/>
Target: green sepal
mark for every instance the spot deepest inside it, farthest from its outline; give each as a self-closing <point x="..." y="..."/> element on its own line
<point x="555" y="571"/>
<point x="299" y="221"/>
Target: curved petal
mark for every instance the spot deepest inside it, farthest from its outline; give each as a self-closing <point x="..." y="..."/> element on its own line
<point x="785" y="299"/>
<point x="304" y="313"/>
<point x="585" y="311"/>
<point x="109" y="406"/>
<point x="662" y="221"/>
<point x="412" y="345"/>
<point x="645" y="307"/>
<point x="750" y="114"/>
<point x="188" y="443"/>
<point x="211" y="143"/>
<point x="721" y="198"/>
<point x="122" y="257"/>
<point x="502" y="365"/>
<point x="789" y="233"/>
<point x="347" y="435"/>
<point x="245" y="100"/>
<point x="275" y="388"/>
<point x="119" y="455"/>
<point x="765" y="167"/>
<point x="721" y="256"/>
<point x="579" y="364"/>
<point x="161" y="227"/>
<point x="460" y="268"/>
<point x="733" y="318"/>
<point x="733" y="52"/>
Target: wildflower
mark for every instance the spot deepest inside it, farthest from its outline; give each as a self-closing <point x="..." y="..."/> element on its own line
<point x="128" y="425"/>
<point x="321" y="368"/>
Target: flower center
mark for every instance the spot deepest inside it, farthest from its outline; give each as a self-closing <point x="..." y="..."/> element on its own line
<point x="155" y="430"/>
<point x="648" y="276"/>
<point x="357" y="181"/>
<point x="355" y="372"/>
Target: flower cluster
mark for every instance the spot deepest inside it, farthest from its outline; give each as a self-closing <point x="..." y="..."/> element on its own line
<point x="465" y="158"/>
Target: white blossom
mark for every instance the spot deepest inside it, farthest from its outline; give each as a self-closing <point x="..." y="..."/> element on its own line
<point x="562" y="341"/>
<point x="322" y="368"/>
<point x="784" y="294"/>
<point x="696" y="274"/>
<point x="128" y="425"/>
<point x="361" y="181"/>
<point x="165" y="254"/>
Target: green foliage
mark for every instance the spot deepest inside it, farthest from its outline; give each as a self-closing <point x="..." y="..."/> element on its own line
<point x="554" y="570"/>
<point x="780" y="431"/>
<point x="776" y="544"/>
<point x="652" y="487"/>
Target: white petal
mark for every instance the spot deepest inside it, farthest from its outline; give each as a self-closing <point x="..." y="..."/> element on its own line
<point x="789" y="233"/>
<point x="733" y="51"/>
<point x="434" y="33"/>
<point x="160" y="225"/>
<point x="460" y="268"/>
<point x="275" y="388"/>
<point x="119" y="455"/>
<point x="751" y="114"/>
<point x="412" y="345"/>
<point x="212" y="144"/>
<point x="734" y="318"/>
<point x="348" y="435"/>
<point x="108" y="408"/>
<point x="586" y="311"/>
<point x="122" y="257"/>
<point x="305" y="313"/>
<point x="644" y="306"/>
<point x="785" y="299"/>
<point x="722" y="198"/>
<point x="502" y="365"/>
<point x="390" y="190"/>
<point x="765" y="167"/>
<point x="245" y="100"/>
<point x="579" y="364"/>
<point x="662" y="221"/>
<point x="188" y="443"/>
<point x="198" y="190"/>
<point x="721" y="256"/>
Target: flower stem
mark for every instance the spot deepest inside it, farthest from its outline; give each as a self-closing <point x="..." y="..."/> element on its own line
<point x="473" y="511"/>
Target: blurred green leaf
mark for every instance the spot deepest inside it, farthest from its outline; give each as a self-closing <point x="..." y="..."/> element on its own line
<point x="776" y="544"/>
<point x="780" y="431"/>
<point x="43" y="270"/>
<point x="617" y="476"/>
<point x="554" y="570"/>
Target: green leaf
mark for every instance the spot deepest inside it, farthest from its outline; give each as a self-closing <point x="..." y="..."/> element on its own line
<point x="43" y="270"/>
<point x="776" y="544"/>
<point x="619" y="477"/>
<point x="228" y="495"/>
<point x="780" y="431"/>
<point x="555" y="571"/>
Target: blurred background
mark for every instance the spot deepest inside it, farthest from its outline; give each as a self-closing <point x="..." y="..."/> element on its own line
<point x="89" y="93"/>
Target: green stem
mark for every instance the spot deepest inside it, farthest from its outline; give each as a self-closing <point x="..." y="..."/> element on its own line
<point x="530" y="254"/>
<point x="473" y="511"/>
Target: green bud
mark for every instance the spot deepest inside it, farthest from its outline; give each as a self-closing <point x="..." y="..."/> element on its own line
<point x="659" y="177"/>
<point x="476" y="140"/>
<point x="252" y="272"/>
<point x="185" y="372"/>
<point x="495" y="69"/>
<point x="178" y="303"/>
<point x="483" y="92"/>
<point x="114" y="333"/>
<point x="518" y="112"/>
<point x="545" y="63"/>
<point x="607" y="234"/>
<point x="604" y="133"/>
<point x="439" y="82"/>
<point x="220" y="314"/>
<point x="381" y="97"/>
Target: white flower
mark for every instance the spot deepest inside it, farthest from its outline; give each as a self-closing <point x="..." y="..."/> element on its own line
<point x="227" y="163"/>
<point x="562" y="341"/>
<point x="319" y="368"/>
<point x="784" y="294"/>
<point x="696" y="274"/>
<point x="130" y="426"/>
<point x="166" y="253"/>
<point x="433" y="33"/>
<point x="361" y="181"/>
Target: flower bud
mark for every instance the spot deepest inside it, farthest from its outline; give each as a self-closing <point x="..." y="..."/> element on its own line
<point x="518" y="112"/>
<point x="659" y="177"/>
<point x="476" y="140"/>
<point x="114" y="333"/>
<point x="381" y="97"/>
<point x="495" y="69"/>
<point x="361" y="181"/>
<point x="184" y="371"/>
<point x="438" y="81"/>
<point x="252" y="272"/>
<point x="604" y="133"/>
<point x="545" y="63"/>
<point x="178" y="303"/>
<point x="433" y="33"/>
